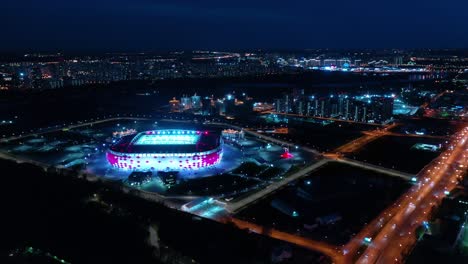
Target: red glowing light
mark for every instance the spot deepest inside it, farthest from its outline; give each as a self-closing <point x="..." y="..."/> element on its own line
<point x="287" y="155"/>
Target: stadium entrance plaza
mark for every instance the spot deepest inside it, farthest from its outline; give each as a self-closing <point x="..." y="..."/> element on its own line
<point x="86" y="147"/>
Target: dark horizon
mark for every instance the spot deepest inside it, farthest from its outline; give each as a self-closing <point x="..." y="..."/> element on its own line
<point x="17" y="54"/>
<point x="146" y="25"/>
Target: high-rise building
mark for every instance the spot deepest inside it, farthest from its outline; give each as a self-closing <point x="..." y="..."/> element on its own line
<point x="174" y="104"/>
<point x="208" y="106"/>
<point x="346" y="110"/>
<point x="196" y="102"/>
<point x="279" y="106"/>
<point x="220" y="107"/>
<point x="334" y="106"/>
<point x="360" y="111"/>
<point x="309" y="108"/>
<point x="322" y="107"/>
<point x="186" y="103"/>
<point x="300" y="107"/>
<point x="229" y="104"/>
<point x="316" y="107"/>
<point x="398" y="60"/>
<point x="36" y="79"/>
<point x="288" y="103"/>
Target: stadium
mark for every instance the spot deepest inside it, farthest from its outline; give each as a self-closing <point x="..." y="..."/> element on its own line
<point x="167" y="150"/>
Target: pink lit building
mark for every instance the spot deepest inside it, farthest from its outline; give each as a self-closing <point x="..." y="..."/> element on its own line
<point x="167" y="150"/>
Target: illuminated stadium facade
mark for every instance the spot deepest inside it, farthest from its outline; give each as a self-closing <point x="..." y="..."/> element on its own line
<point x="166" y="150"/>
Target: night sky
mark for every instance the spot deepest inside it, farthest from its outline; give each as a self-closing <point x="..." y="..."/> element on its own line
<point x="150" y="25"/>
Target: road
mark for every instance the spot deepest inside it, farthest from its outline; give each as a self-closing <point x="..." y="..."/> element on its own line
<point x="330" y="250"/>
<point x="281" y="142"/>
<point x="368" y="137"/>
<point x="397" y="236"/>
<point x="409" y="135"/>
<point x="399" y="218"/>
<point x="394" y="226"/>
<point x="60" y="128"/>
<point x="322" y="118"/>
<point x="236" y="206"/>
<point x="372" y="167"/>
<point x="433" y="99"/>
<point x="267" y="138"/>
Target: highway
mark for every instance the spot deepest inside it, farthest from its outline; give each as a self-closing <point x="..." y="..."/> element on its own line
<point x="392" y="232"/>
<point x="397" y="236"/>
<point x="330" y="250"/>
<point x="350" y="250"/>
<point x="397" y="223"/>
